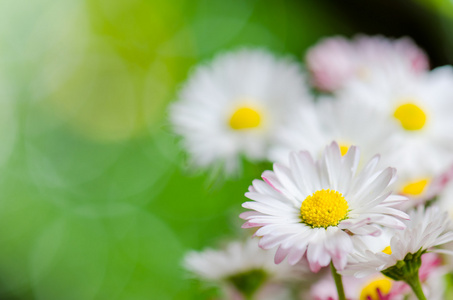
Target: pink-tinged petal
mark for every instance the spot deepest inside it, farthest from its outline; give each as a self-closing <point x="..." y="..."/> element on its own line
<point x="249" y="214"/>
<point x="262" y="187"/>
<point x="269" y="241"/>
<point x="339" y="262"/>
<point x="314" y="266"/>
<point x="270" y="178"/>
<point x="250" y="225"/>
<point x="338" y="245"/>
<point x="317" y="253"/>
<point x="281" y="254"/>
<point x="367" y="230"/>
<point x="353" y="223"/>
<point x="295" y="255"/>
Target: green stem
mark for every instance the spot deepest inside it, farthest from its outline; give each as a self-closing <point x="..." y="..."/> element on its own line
<point x="338" y="282"/>
<point x="414" y="283"/>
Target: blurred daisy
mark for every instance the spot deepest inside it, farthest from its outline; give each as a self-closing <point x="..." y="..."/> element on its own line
<point x="230" y="108"/>
<point x="374" y="287"/>
<point x="419" y="108"/>
<point x="426" y="229"/>
<point x="335" y="61"/>
<point x="347" y="122"/>
<point x="316" y="208"/>
<point x="379" y="287"/>
<point x="244" y="269"/>
<point x="421" y="184"/>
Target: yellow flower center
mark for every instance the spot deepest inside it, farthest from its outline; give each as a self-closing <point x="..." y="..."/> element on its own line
<point x="411" y="116"/>
<point x="324" y="208"/>
<point x="387" y="250"/>
<point x="415" y="188"/>
<point x="343" y="149"/>
<point x="376" y="288"/>
<point x="245" y="118"/>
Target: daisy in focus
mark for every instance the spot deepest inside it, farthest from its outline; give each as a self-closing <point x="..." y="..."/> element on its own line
<point x="244" y="270"/>
<point x="317" y="208"/>
<point x="427" y="229"/>
<point x="230" y="108"/>
<point x="335" y="61"/>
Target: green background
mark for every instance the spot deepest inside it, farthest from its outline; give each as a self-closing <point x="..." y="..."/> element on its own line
<point x="96" y="198"/>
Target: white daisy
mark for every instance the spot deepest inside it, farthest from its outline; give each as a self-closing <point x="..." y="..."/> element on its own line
<point x="230" y="107"/>
<point x="335" y="61"/>
<point x="419" y="108"/>
<point x="426" y="229"/>
<point x="347" y="122"/>
<point x="243" y="267"/>
<point x="317" y="207"/>
<point x="421" y="183"/>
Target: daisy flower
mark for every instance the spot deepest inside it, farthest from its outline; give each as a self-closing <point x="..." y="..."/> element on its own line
<point x="419" y="108"/>
<point x="330" y="119"/>
<point x="335" y="61"/>
<point x="374" y="287"/>
<point x="316" y="208"/>
<point x="423" y="184"/>
<point x="243" y="268"/>
<point x="426" y="229"/>
<point x="229" y="108"/>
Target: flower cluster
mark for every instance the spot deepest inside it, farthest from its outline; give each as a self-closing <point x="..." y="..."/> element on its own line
<point x="333" y="196"/>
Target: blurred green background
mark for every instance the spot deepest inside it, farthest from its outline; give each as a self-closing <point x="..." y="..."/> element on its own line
<point x="96" y="199"/>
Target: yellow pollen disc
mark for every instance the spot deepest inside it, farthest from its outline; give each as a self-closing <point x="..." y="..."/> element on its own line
<point x="411" y="116"/>
<point x="415" y="188"/>
<point x="387" y="250"/>
<point x="344" y="149"/>
<point x="375" y="289"/>
<point x="324" y="208"/>
<point x="245" y="118"/>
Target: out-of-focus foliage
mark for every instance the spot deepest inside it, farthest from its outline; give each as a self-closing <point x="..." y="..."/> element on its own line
<point x="443" y="7"/>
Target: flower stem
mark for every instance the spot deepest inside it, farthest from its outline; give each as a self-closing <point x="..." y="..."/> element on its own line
<point x="339" y="283"/>
<point x="414" y="283"/>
